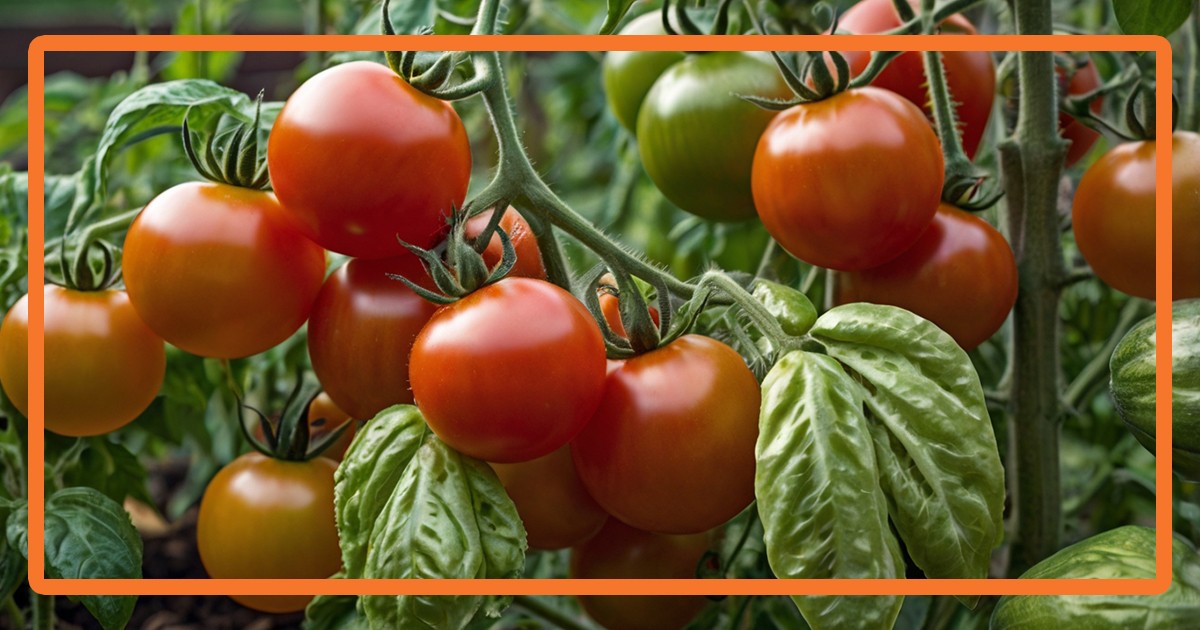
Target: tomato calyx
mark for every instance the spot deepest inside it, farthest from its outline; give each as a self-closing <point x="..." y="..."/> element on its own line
<point x="635" y="315"/>
<point x="80" y="274"/>
<point x="457" y="266"/>
<point x="432" y="77"/>
<point x="230" y="156"/>
<point x="289" y="438"/>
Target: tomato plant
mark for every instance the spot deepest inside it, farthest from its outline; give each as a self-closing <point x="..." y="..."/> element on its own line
<point x="361" y="331"/>
<point x="671" y="447"/>
<point x="219" y="270"/>
<point x="960" y="275"/>
<point x="848" y="182"/>
<point x="1113" y="216"/>
<point x="480" y="363"/>
<point x="971" y="75"/>
<point x="524" y="241"/>
<point x="103" y="365"/>
<point x="556" y="509"/>
<point x="696" y="143"/>
<point x="620" y="551"/>
<point x="360" y="158"/>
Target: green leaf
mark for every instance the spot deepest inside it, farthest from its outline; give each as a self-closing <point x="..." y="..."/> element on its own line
<point x="334" y="612"/>
<point x="88" y="535"/>
<point x="448" y="517"/>
<point x="12" y="464"/>
<point x="1125" y="552"/>
<point x="12" y="556"/>
<point x="823" y="513"/>
<point x="16" y="531"/>
<point x="616" y="12"/>
<point x="368" y="475"/>
<point x="112" y="469"/>
<point x="1151" y="17"/>
<point x="937" y="454"/>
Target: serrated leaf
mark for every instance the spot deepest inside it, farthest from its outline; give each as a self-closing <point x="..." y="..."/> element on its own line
<point x="823" y="512"/>
<point x="88" y="536"/>
<point x="939" y="462"/>
<point x="1151" y="17"/>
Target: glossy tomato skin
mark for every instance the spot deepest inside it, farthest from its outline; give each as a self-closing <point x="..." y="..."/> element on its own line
<point x="270" y="519"/>
<point x="358" y="156"/>
<point x="1113" y="217"/>
<point x="697" y="138"/>
<point x="361" y="331"/>
<point x="524" y="241"/>
<point x="510" y="372"/>
<point x="671" y="447"/>
<point x="971" y="75"/>
<point x="848" y="182"/>
<point x="219" y="271"/>
<point x="629" y="74"/>
<point x="1081" y="136"/>
<point x="960" y="275"/>
<point x="104" y="366"/>
<point x="622" y="552"/>
<point x="557" y="510"/>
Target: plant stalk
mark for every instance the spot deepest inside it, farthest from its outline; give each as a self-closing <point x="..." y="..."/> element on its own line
<point x="1032" y="163"/>
<point x="548" y="613"/>
<point x="43" y="611"/>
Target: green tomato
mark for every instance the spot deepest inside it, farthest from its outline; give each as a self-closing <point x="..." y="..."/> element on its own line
<point x="697" y="137"/>
<point x="629" y="74"/>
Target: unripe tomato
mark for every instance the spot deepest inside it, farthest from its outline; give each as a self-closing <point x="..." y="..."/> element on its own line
<point x="671" y="447"/>
<point x="557" y="510"/>
<point x="510" y="372"/>
<point x="104" y="366"/>
<point x="219" y="271"/>
<point x="622" y="552"/>
<point x="1113" y="216"/>
<point x="1081" y="136"/>
<point x="849" y="182"/>
<point x="697" y="138"/>
<point x="360" y="157"/>
<point x="265" y="518"/>
<point x="361" y="331"/>
<point x="970" y="75"/>
<point x="960" y="275"/>
<point x="524" y="241"/>
<point x="629" y="74"/>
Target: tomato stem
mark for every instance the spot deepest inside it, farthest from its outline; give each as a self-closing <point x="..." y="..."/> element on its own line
<point x="43" y="611"/>
<point x="1032" y="163"/>
<point x="548" y="613"/>
<point x="759" y="316"/>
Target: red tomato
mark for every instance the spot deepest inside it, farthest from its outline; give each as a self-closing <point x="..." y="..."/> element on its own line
<point x="557" y="510"/>
<point x="529" y="257"/>
<point x="1113" y="216"/>
<point x="622" y="552"/>
<point x="1081" y="136"/>
<point x="270" y="519"/>
<point x="971" y="75"/>
<point x="671" y="447"/>
<point x="103" y="365"/>
<point x="848" y="182"/>
<point x="219" y="271"/>
<point x="610" y="305"/>
<point x="510" y="372"/>
<point x="358" y="156"/>
<point x="361" y="331"/>
<point x="325" y="417"/>
<point x="960" y="275"/>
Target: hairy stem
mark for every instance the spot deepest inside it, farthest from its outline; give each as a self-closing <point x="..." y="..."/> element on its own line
<point x="1032" y="163"/>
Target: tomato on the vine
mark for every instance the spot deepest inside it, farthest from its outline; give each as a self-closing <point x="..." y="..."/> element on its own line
<point x="970" y="75"/>
<point x="510" y="372"/>
<point x="960" y="275"/>
<point x="697" y="137"/>
<point x="524" y="241"/>
<point x="622" y="552"/>
<point x="610" y="307"/>
<point x="104" y="366"/>
<point x="361" y="331"/>
<point x="848" y="182"/>
<point x="219" y="271"/>
<point x="671" y="447"/>
<point x="324" y="417"/>
<point x="1113" y="216"/>
<point x="360" y="157"/>
<point x="557" y="510"/>
<point x="1082" y="137"/>
<point x="629" y="74"/>
<point x="267" y="518"/>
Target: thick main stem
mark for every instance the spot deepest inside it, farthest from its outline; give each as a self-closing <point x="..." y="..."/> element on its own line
<point x="1032" y="165"/>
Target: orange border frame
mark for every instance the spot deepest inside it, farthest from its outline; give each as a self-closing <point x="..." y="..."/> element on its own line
<point x="529" y="586"/>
